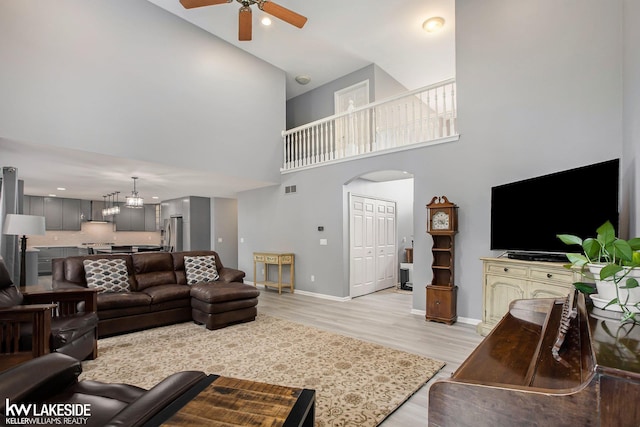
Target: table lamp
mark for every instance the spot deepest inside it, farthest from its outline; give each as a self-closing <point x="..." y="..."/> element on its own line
<point x="23" y="225"/>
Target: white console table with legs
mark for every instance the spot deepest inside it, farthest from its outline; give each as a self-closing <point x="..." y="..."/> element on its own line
<point x="279" y="259"/>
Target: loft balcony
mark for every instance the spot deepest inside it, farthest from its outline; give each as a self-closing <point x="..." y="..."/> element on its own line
<point x="410" y="120"/>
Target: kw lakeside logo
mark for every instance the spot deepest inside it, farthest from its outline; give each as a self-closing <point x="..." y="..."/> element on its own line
<point x="46" y="413"/>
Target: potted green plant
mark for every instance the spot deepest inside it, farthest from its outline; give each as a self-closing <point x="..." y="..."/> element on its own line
<point x="614" y="265"/>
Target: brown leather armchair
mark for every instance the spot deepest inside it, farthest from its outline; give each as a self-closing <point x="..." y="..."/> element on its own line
<point x="39" y="322"/>
<point x="53" y="379"/>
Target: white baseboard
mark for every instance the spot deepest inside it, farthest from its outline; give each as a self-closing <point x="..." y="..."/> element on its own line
<point x="323" y="296"/>
<point x="465" y="320"/>
<point x="311" y="294"/>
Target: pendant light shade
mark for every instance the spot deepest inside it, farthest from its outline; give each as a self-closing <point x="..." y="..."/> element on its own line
<point x="134" y="201"/>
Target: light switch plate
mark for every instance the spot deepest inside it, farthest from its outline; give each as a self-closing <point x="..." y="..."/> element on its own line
<point x="323" y="242"/>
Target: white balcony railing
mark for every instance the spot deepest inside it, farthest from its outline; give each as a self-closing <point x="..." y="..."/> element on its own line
<point x="401" y="122"/>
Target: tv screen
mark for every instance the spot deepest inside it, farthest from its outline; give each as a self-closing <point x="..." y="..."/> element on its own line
<point x="527" y="215"/>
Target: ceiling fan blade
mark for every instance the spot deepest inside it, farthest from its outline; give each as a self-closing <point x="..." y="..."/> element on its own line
<point x="244" y="24"/>
<point x="283" y="13"/>
<point x="190" y="4"/>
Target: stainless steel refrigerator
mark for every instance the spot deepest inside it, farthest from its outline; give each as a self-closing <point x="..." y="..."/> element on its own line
<point x="172" y="241"/>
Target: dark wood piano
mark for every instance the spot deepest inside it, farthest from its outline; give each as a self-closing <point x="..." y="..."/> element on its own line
<point x="549" y="362"/>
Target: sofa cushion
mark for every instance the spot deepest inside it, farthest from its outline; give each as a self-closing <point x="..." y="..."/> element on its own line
<point x="153" y="269"/>
<point x="67" y="329"/>
<point x="112" y="300"/>
<point x="220" y="292"/>
<point x="107" y="275"/>
<point x="10" y="297"/>
<point x="165" y="293"/>
<point x="223" y="307"/>
<point x="200" y="269"/>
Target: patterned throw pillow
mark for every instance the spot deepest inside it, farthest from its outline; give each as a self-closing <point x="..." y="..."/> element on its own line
<point x="200" y="269"/>
<point x="108" y="275"/>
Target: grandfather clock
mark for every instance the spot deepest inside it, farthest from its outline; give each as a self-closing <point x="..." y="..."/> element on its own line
<point x="442" y="224"/>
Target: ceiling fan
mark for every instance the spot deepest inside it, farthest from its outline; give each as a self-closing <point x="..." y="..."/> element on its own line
<point x="245" y="22"/>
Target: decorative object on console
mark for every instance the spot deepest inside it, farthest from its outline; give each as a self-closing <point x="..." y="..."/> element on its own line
<point x="16" y="224"/>
<point x="614" y="264"/>
<point x="244" y="29"/>
<point x="442" y="224"/>
<point x="200" y="269"/>
<point x="134" y="200"/>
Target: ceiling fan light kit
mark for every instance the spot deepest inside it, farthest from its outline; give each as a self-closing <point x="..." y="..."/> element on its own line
<point x="245" y="15"/>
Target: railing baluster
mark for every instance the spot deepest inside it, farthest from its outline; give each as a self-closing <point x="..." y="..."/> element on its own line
<point x="382" y="125"/>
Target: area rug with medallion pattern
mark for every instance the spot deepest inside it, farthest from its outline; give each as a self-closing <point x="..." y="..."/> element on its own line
<point x="357" y="383"/>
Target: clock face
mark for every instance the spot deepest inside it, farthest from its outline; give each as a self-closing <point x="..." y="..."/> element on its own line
<point x="440" y="221"/>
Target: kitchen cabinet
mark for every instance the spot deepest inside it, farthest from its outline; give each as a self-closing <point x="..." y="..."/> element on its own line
<point x="45" y="256"/>
<point x="85" y="210"/>
<point x="59" y="213"/>
<point x="71" y="214"/>
<point x="47" y="253"/>
<point x="53" y="213"/>
<point x="33" y="205"/>
<point x="131" y="219"/>
<point x="151" y="217"/>
<point x="505" y="280"/>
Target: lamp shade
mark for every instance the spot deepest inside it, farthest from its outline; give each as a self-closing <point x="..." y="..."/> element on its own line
<point x="23" y="225"/>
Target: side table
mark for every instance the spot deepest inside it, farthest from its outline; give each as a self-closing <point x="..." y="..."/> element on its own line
<point x="279" y="259"/>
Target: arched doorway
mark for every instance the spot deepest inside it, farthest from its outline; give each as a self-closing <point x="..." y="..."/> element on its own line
<point x="380" y="225"/>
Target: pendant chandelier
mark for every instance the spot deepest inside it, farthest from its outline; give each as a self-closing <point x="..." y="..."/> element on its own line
<point x="111" y="208"/>
<point x="134" y="201"/>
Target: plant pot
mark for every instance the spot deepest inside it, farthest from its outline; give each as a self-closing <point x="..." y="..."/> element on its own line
<point x="606" y="288"/>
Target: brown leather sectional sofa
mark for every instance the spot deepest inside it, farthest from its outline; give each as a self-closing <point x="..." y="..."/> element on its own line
<point x="159" y="294"/>
<point x="51" y="381"/>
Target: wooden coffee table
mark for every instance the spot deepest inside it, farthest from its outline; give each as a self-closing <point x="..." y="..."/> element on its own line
<point x="225" y="401"/>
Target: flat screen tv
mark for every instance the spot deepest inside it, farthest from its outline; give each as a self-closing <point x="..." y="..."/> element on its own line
<point x="527" y="215"/>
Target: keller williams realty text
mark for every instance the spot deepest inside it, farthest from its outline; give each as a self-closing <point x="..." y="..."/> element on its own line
<point x="47" y="413"/>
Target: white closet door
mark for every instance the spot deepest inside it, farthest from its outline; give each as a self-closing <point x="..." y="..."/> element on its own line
<point x="373" y="263"/>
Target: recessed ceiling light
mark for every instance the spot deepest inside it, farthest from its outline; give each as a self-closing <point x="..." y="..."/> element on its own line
<point x="303" y="79"/>
<point x="433" y="24"/>
<point x="61" y="189"/>
<point x="52" y="195"/>
<point x="266" y="21"/>
<point x="155" y="197"/>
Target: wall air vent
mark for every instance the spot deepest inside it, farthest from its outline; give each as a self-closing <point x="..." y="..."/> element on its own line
<point x="289" y="189"/>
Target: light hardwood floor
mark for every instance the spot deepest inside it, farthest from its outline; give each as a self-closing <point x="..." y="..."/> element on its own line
<point x="384" y="318"/>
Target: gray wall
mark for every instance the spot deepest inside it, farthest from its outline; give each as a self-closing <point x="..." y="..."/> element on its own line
<point x="196" y="220"/>
<point x="126" y="78"/>
<point x="631" y="118"/>
<point x="532" y="100"/>
<point x="224" y="230"/>
<point x="319" y="103"/>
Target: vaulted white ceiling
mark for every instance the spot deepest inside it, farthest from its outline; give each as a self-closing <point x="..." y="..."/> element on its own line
<point x="341" y="36"/>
